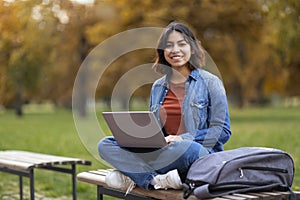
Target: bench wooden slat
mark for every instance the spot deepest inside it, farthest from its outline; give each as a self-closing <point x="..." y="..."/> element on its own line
<point x="22" y="163"/>
<point x="261" y="196"/>
<point x="286" y="195"/>
<point x="247" y="196"/>
<point x="91" y="178"/>
<point x="233" y="197"/>
<point x="163" y="194"/>
<point x="97" y="177"/>
<point x="25" y="159"/>
<point x="275" y="196"/>
<point x="16" y="165"/>
<point x="38" y="159"/>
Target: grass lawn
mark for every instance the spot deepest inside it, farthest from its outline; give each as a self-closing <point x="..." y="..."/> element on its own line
<point x="52" y="133"/>
<point x="268" y="127"/>
<point x="55" y="133"/>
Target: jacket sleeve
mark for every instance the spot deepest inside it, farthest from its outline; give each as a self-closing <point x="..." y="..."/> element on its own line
<point x="218" y="131"/>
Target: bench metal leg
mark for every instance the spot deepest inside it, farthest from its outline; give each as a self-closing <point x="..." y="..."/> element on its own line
<point x="31" y="180"/>
<point x="71" y="171"/>
<point x="30" y="175"/>
<point x="21" y="174"/>
<point x="99" y="194"/>
<point x="21" y="187"/>
<point x="74" y="181"/>
<point x="31" y="185"/>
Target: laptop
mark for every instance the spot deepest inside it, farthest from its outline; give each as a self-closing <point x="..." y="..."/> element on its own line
<point x="135" y="129"/>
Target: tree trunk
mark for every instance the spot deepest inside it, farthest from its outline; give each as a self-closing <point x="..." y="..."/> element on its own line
<point x="259" y="92"/>
<point x="19" y="102"/>
<point x="82" y="97"/>
<point x="239" y="96"/>
<point x="241" y="52"/>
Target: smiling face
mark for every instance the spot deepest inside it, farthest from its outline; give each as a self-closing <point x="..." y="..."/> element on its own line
<point x="177" y="51"/>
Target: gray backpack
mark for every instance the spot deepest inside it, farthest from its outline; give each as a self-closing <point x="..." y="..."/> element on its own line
<point x="247" y="169"/>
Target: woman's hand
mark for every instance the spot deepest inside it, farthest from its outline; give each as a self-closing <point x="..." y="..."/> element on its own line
<point x="172" y="138"/>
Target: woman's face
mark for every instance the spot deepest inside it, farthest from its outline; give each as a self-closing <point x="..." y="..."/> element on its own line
<point x="178" y="51"/>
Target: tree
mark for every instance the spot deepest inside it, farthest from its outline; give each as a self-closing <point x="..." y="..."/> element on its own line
<point x="283" y="17"/>
<point x="43" y="43"/>
<point x="25" y="53"/>
<point x="228" y="34"/>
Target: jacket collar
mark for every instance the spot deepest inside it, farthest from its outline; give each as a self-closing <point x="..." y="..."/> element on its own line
<point x="194" y="75"/>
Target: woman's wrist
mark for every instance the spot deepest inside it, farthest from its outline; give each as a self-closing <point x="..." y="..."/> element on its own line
<point x="172" y="138"/>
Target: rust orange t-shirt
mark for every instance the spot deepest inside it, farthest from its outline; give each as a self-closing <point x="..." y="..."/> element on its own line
<point x="170" y="112"/>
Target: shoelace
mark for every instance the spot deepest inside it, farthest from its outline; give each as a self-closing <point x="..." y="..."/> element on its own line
<point x="130" y="187"/>
<point x="161" y="183"/>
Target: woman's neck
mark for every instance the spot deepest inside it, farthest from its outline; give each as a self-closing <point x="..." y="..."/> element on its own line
<point x="179" y="75"/>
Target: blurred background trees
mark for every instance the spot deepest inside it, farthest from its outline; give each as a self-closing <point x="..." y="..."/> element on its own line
<point x="255" y="44"/>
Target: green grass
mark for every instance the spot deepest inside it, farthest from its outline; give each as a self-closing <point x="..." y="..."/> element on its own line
<point x="268" y="127"/>
<point x="55" y="133"/>
<point x="52" y="133"/>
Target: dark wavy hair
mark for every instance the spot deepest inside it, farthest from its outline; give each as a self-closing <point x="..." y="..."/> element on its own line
<point x="197" y="57"/>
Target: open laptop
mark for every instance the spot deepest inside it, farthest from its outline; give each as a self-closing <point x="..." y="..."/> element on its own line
<point x="137" y="129"/>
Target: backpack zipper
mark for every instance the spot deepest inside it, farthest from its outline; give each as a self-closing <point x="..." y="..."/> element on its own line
<point x="280" y="170"/>
<point x="239" y="157"/>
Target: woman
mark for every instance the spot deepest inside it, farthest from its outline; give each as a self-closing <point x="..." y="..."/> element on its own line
<point x="191" y="106"/>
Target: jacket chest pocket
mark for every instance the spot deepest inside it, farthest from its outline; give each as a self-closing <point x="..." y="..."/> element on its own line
<point x="154" y="108"/>
<point x="200" y="110"/>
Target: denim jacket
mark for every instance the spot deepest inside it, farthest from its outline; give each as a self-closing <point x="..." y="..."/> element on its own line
<point x="204" y="108"/>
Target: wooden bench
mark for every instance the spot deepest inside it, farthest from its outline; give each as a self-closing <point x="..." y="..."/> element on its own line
<point x="97" y="177"/>
<point x="23" y="163"/>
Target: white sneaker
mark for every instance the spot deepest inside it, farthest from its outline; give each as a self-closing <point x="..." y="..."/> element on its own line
<point x="168" y="180"/>
<point x="116" y="179"/>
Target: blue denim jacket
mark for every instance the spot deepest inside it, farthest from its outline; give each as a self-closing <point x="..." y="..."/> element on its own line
<point x="204" y="108"/>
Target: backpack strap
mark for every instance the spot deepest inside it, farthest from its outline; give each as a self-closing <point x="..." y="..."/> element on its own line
<point x="188" y="189"/>
<point x="293" y="195"/>
<point x="209" y="191"/>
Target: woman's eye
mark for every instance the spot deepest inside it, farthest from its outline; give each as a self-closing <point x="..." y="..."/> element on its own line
<point x="169" y="46"/>
<point x="182" y="44"/>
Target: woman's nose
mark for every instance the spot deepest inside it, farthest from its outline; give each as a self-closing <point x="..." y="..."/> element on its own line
<point x="175" y="49"/>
